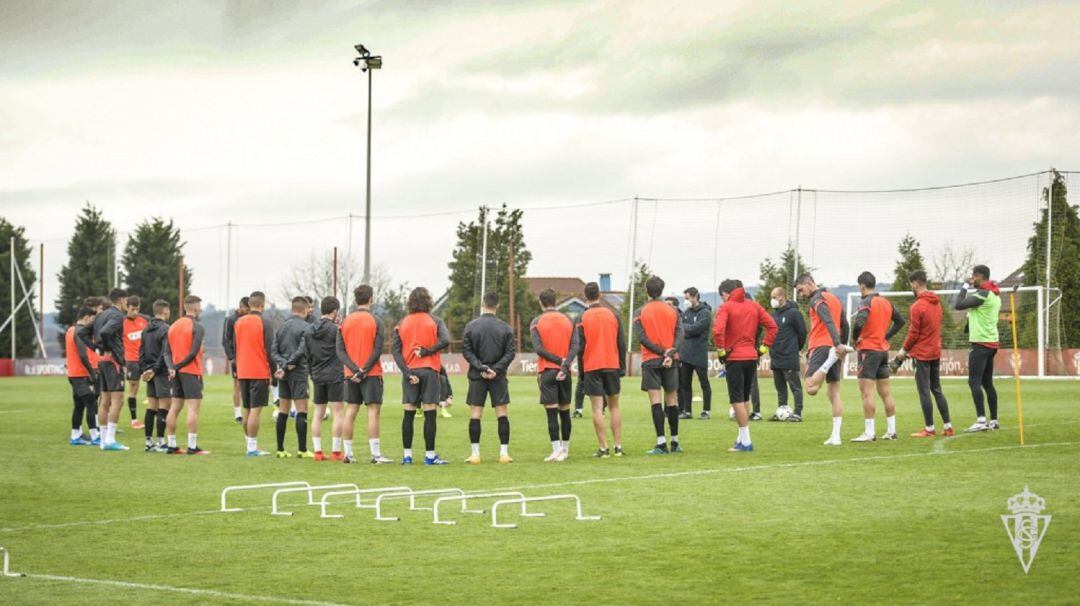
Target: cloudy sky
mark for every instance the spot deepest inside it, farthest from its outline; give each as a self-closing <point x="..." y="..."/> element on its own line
<point x="252" y="112"/>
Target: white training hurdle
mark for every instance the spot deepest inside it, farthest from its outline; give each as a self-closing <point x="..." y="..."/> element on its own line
<point x="555" y="497"/>
<point x="477" y="495"/>
<point x="411" y="494"/>
<point x="238" y="488"/>
<point x="7" y="571"/>
<point x="308" y="489"/>
<point x="358" y="492"/>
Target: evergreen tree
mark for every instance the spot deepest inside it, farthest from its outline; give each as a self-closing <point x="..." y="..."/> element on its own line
<point x="463" y="302"/>
<point x="773" y="274"/>
<point x="151" y="263"/>
<point x="89" y="270"/>
<point x="25" y="345"/>
<point x="1064" y="270"/>
<point x="910" y="260"/>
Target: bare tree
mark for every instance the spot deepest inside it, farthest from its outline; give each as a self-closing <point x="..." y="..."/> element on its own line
<point x="952" y="264"/>
<point x="314" y="277"/>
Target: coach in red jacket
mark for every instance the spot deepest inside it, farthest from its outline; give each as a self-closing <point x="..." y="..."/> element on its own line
<point x="734" y="333"/>
<point x="923" y="343"/>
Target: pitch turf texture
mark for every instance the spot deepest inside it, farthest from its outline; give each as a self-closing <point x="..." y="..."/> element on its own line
<point x="912" y="521"/>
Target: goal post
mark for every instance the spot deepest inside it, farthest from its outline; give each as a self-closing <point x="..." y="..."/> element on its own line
<point x="1035" y="306"/>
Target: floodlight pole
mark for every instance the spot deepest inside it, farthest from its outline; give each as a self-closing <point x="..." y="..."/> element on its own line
<point x="11" y="253"/>
<point x="367" y="205"/>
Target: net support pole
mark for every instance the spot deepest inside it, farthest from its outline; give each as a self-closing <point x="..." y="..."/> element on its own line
<point x="335" y="273"/>
<point x="1040" y="330"/>
<point x="513" y="316"/>
<point x="795" y="257"/>
<point x="11" y="256"/>
<point x="348" y="256"/>
<point x="1044" y="314"/>
<point x="1016" y="365"/>
<point x="228" y="265"/>
<point x="180" y="291"/>
<point x="633" y="280"/>
<point x="41" y="292"/>
<point x="483" y="255"/>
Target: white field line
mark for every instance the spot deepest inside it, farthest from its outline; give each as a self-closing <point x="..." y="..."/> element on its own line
<point x="188" y="590"/>
<point x="939" y="445"/>
<point x="20" y="410"/>
<point x="654" y="476"/>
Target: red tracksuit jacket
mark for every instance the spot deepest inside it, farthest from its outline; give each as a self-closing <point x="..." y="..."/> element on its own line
<point x="736" y="327"/>
<point x="924" y="331"/>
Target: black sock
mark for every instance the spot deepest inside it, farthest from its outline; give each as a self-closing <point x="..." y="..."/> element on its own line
<point x="474" y="431"/>
<point x="282" y="419"/>
<point x="673" y="420"/>
<point x="504" y="430"/>
<point x="78" y="405"/>
<point x="429" y="429"/>
<point x="553" y="423"/>
<point x="564" y="420"/>
<point x="132" y="408"/>
<point x="301" y="431"/>
<point x="162" y="417"/>
<point x="658" y="419"/>
<point x="91" y="411"/>
<point x="148" y="423"/>
<point x="407" y="428"/>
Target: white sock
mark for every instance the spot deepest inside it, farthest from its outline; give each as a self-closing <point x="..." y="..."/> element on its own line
<point x="316" y="443"/>
<point x="981" y="419"/>
<point x="236" y="411"/>
<point x="947" y="425"/>
<point x="337" y="444"/>
<point x="744" y="435"/>
<point x="475" y="450"/>
<point x="504" y="450"/>
<point x="172" y="441"/>
<point x="252" y="444"/>
<point x="75" y="433"/>
<point x="566" y="445"/>
<point x="95" y="434"/>
<point x="407" y="452"/>
<point x="674" y="439"/>
<point x="373" y="444"/>
<point x="661" y="440"/>
<point x="348" y="448"/>
<point x="555" y="446"/>
<point x="829" y="361"/>
<point x="929" y="428"/>
<point x="890" y="424"/>
<point x="110" y="432"/>
<point x="869" y="423"/>
<point x="430" y="454"/>
<point x="836" y="423"/>
<point x="192" y="440"/>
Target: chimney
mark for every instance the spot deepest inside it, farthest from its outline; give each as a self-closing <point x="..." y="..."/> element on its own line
<point x="605" y="282"/>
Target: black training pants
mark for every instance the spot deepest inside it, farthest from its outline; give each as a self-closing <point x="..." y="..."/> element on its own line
<point x="928" y="382"/>
<point x="686" y="387"/>
<point x="788" y="379"/>
<point x="981" y="378"/>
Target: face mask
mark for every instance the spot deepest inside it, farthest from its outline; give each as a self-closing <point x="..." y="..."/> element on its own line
<point x="775" y="303"/>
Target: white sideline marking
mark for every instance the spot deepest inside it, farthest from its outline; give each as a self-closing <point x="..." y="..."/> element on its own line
<point x="14" y="411"/>
<point x="187" y="590"/>
<point x="654" y="476"/>
<point x="939" y="445"/>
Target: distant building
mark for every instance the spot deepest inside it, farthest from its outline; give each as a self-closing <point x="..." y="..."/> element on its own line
<point x="570" y="293"/>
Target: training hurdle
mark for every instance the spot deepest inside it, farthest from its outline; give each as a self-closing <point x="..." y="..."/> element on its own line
<point x="555" y="497"/>
<point x="412" y="494"/>
<point x="308" y="489"/>
<point x="358" y="492"/>
<point x="7" y="571"/>
<point x="228" y="489"/>
<point x="477" y="495"/>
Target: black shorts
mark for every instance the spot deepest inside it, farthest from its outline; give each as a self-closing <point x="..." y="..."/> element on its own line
<point x="293" y="389"/>
<point x="479" y="390"/>
<point x="658" y="377"/>
<point x="254" y="393"/>
<point x="740" y="379"/>
<point x="81" y="386"/>
<point x="445" y="392"/>
<point x="367" y="391"/>
<point x="111" y="377"/>
<point x="160" y="386"/>
<point x="873" y="365"/>
<point x="817" y="357"/>
<point x="553" y="391"/>
<point x="324" y="393"/>
<point x="132" y="369"/>
<point x="187" y="386"/>
<point x="427" y="391"/>
<point x="601" y="383"/>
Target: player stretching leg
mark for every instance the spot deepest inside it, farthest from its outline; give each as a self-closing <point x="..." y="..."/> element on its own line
<point x="183" y="356"/>
<point x="254" y="367"/>
<point x="81" y="375"/>
<point x="735" y="335"/>
<point x="134" y="324"/>
<point x="826" y="348"/>
<point x="359" y="348"/>
<point x="551" y="333"/>
<point x="659" y="330"/>
<point x="152" y="369"/>
<point x="601" y="343"/>
<point x="109" y="340"/>
<point x="417" y="341"/>
<point x="290" y="355"/>
<point x="983" y="305"/>
<point x="876" y="322"/>
<point x="488" y="346"/>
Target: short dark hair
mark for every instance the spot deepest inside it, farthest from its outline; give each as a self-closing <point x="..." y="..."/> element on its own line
<point x="310" y="300"/>
<point x="693" y="292"/>
<point x="160" y="305"/>
<point x="117" y="294"/>
<point x="191" y="300"/>
<point x="804" y="279"/>
<point x="547" y="297"/>
<point x="867" y="279"/>
<point x="362" y="294"/>
<point x="257" y="299"/>
<point x="299" y="303"/>
<point x="654" y="286"/>
<point x="92" y="302"/>
<point x="738" y="283"/>
<point x="86" y="311"/>
<point x="673" y="300"/>
<point x="491" y="300"/>
<point x="329" y="305"/>
<point x="245" y="302"/>
<point x="134" y="301"/>
<point x="918" y="276"/>
<point x="981" y="270"/>
<point x="419" y="300"/>
<point x="592" y="291"/>
<point x="727" y="286"/>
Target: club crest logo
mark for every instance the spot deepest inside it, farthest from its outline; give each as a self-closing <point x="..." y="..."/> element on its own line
<point x="1026" y="527"/>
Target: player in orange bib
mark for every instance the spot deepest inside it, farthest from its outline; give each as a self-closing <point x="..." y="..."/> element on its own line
<point x="417" y="340"/>
<point x="876" y="322"/>
<point x="134" y="324"/>
<point x="551" y="333"/>
<point x="183" y="357"/>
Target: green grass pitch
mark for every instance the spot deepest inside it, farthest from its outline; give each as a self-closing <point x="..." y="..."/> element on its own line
<point x="912" y="521"/>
